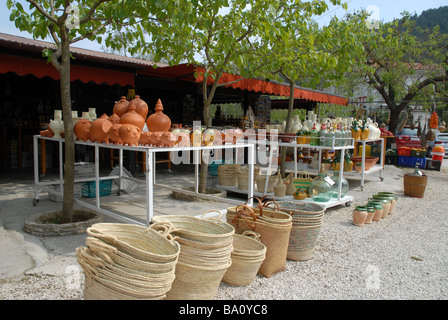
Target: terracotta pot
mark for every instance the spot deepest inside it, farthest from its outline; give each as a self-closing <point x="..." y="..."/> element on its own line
<point x="158" y="121"/>
<point x="104" y="116"/>
<point x="140" y="106"/>
<point x="132" y="117"/>
<point x="114" y="118"/>
<point x="359" y="216"/>
<point x="145" y="138"/>
<point x="82" y="129"/>
<point x="113" y="135"/>
<point x="99" y="130"/>
<point x="168" y="139"/>
<point x="156" y="139"/>
<point x="121" y="107"/>
<point x="130" y="134"/>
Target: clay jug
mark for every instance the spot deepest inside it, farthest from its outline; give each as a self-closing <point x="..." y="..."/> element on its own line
<point x="158" y="121"/>
<point x="145" y="138"/>
<point x="113" y="135"/>
<point x="121" y="107"/>
<point x="99" y="130"/>
<point x="114" y="119"/>
<point x="359" y="215"/>
<point x="140" y="106"/>
<point x="82" y="129"/>
<point x="130" y="134"/>
<point x="132" y="117"/>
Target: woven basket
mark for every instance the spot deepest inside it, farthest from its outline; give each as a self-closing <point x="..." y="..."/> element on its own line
<point x="302" y="242"/>
<point x="247" y="257"/>
<point x="243" y="176"/>
<point x="261" y="183"/>
<point x="415" y="186"/>
<point x="205" y="255"/>
<point x="306" y="223"/>
<point x="228" y="174"/>
<point x="124" y="261"/>
<point x="274" y="228"/>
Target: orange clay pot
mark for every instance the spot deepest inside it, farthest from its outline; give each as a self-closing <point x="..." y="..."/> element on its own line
<point x="121" y="107"/>
<point x="158" y="121"/>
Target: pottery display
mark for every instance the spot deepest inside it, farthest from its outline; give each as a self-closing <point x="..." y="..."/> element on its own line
<point x="121" y="106"/>
<point x="82" y="129"/>
<point x="104" y="116"/>
<point x="132" y="117"/>
<point x="57" y="126"/>
<point x="113" y="135"/>
<point x="99" y="130"/>
<point x="168" y="139"/>
<point x="92" y="114"/>
<point x="370" y="214"/>
<point x="140" y="106"/>
<point x="130" y="134"/>
<point x="114" y="118"/>
<point x="145" y="138"/>
<point x="233" y="135"/>
<point x="158" y="121"/>
<point x="57" y="115"/>
<point x="183" y="139"/>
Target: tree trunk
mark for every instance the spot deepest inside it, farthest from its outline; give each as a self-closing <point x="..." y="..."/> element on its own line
<point x="394" y="117"/>
<point x="69" y="145"/>
<point x="288" y="124"/>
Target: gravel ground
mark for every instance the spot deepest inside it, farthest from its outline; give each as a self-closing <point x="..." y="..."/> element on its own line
<point x="402" y="257"/>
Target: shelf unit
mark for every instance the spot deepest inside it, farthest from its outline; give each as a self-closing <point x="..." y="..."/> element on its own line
<point x="149" y="182"/>
<point x="274" y="147"/>
<point x="376" y="168"/>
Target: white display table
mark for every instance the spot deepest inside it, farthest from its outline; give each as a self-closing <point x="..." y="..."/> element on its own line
<point x="149" y="182"/>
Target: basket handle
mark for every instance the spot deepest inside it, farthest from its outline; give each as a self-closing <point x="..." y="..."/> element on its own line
<point x="244" y="213"/>
<point x="101" y="249"/>
<point x="270" y="200"/>
<point x="98" y="234"/>
<point x="164" y="228"/>
<point x="211" y="218"/>
<point x="252" y="234"/>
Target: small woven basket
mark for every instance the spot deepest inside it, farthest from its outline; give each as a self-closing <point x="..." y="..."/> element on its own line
<point x="415" y="186"/>
<point x="228" y="174"/>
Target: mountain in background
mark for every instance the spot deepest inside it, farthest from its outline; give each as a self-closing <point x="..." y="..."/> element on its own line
<point x="430" y="18"/>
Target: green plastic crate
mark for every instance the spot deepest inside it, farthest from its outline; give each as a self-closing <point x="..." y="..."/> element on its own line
<point x="89" y="188"/>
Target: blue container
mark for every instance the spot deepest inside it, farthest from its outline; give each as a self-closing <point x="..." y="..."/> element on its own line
<point x="89" y="188"/>
<point x="412" y="162"/>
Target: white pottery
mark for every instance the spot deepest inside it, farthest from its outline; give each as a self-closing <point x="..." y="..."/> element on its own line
<point x="57" y="115"/>
<point x="57" y="126"/>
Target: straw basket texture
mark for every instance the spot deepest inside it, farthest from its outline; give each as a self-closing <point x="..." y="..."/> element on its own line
<point x="260" y="179"/>
<point x="306" y="223"/>
<point x="415" y="186"/>
<point x="228" y="174"/>
<point x="243" y="176"/>
<point x="124" y="261"/>
<point x="205" y="255"/>
<point x="274" y="228"/>
<point x="247" y="257"/>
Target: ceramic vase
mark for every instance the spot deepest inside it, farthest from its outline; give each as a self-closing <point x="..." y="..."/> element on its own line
<point x="121" y="106"/>
<point x="99" y="130"/>
<point x="145" y="138"/>
<point x="57" y="126"/>
<point x="130" y="134"/>
<point x="92" y="114"/>
<point x="82" y="129"/>
<point x="158" y="121"/>
<point x="132" y="117"/>
<point x="113" y="135"/>
<point x="57" y="115"/>
<point x="141" y="107"/>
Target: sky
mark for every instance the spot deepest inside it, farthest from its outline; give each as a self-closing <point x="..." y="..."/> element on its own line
<point x="384" y="10"/>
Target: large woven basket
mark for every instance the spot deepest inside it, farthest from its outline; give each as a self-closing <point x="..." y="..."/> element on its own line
<point x="306" y="223"/>
<point x="205" y="255"/>
<point x="243" y="177"/>
<point x="415" y="186"/>
<point x="228" y="174"/>
<point x="247" y="257"/>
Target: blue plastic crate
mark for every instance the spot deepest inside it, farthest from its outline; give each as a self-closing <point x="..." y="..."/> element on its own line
<point x="89" y="188"/>
<point x="411" y="162"/>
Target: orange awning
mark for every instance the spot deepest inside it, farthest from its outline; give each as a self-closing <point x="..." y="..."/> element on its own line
<point x="187" y="72"/>
<point x="40" y="68"/>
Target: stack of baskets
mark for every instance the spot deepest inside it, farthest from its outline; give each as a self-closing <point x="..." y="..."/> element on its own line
<point x="247" y="257"/>
<point x="128" y="262"/>
<point x="274" y="228"/>
<point x="306" y="223"/>
<point x="228" y="174"/>
<point x="205" y="255"/>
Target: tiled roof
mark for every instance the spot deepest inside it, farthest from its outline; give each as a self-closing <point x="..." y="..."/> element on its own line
<point x="31" y="45"/>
